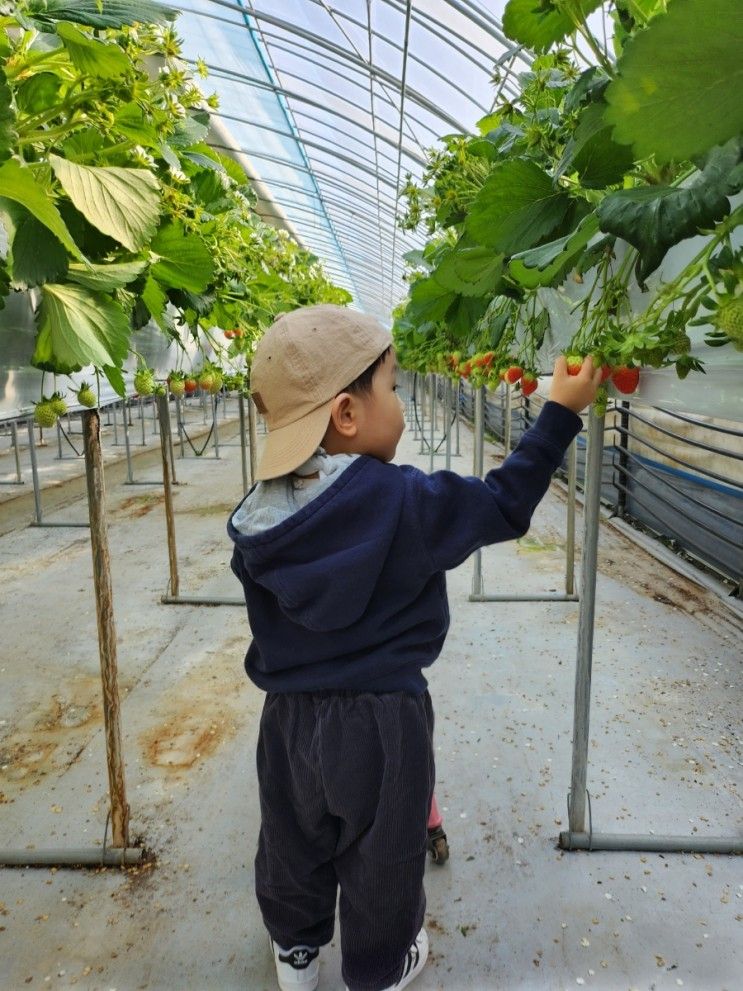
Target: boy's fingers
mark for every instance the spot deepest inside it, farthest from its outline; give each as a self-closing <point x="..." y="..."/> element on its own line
<point x="561" y="365"/>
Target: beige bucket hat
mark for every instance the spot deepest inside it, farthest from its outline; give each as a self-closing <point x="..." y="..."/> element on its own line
<point x="305" y="358"/>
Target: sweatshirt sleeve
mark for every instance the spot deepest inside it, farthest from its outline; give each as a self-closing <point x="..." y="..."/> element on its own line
<point x="459" y="514"/>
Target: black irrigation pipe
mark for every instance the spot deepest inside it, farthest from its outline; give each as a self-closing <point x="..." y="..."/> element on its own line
<point x="686" y="440"/>
<point x="182" y="427"/>
<point x="697" y="523"/>
<point x="695" y="468"/>
<point x="658" y="476"/>
<point x="67" y="438"/>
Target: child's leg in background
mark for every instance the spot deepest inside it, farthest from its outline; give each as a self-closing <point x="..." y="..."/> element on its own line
<point x="438" y="845"/>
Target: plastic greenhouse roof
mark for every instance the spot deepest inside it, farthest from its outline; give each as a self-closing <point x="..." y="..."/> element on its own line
<point x="333" y="102"/>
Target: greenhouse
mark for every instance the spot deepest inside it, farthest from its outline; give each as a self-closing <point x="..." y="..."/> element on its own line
<point x="371" y="495"/>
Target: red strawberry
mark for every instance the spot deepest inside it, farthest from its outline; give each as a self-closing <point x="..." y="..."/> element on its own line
<point x="605" y="372"/>
<point x="191" y="385"/>
<point x="625" y="378"/>
<point x="574" y="362"/>
<point x="529" y="383"/>
<point x="514" y="373"/>
<point x="488" y="358"/>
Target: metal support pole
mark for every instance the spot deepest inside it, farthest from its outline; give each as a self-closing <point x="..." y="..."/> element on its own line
<point x="59" y="439"/>
<point x="458" y="453"/>
<point x="165" y="448"/>
<point x="252" y="427"/>
<point x="477" y="470"/>
<point x="651" y="843"/>
<point x="116" y="426"/>
<point x="570" y="541"/>
<point x="584" y="657"/>
<point x="106" y="626"/>
<point x="422" y="412"/>
<point x="141" y="419"/>
<point x="507" y="425"/>
<point x="623" y="459"/>
<point x="432" y="426"/>
<point x="34" y="470"/>
<point x="179" y="424"/>
<point x="16" y="451"/>
<point x="448" y="421"/>
<point x="243" y="444"/>
<point x="215" y="432"/>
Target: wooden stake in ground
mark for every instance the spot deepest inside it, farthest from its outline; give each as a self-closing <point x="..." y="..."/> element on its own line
<point x="106" y="626"/>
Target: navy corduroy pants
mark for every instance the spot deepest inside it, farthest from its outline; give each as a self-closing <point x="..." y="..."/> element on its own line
<point x="345" y="780"/>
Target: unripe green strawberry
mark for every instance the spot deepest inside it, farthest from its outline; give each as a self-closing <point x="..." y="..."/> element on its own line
<point x="44" y="414"/>
<point x="144" y="381"/>
<point x="729" y="318"/>
<point x="58" y="404"/>
<point x="681" y="343"/>
<point x="86" y="396"/>
<point x="177" y="386"/>
<point x="217" y="381"/>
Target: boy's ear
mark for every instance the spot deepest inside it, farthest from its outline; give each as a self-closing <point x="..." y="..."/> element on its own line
<point x="343" y="415"/>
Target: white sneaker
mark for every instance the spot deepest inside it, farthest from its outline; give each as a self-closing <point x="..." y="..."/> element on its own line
<point x="297" y="969"/>
<point x="415" y="961"/>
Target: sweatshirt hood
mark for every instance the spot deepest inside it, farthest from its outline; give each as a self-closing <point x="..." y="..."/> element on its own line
<point x="324" y="575"/>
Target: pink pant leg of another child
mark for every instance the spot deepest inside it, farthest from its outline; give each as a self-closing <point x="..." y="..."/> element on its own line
<point x="434" y="816"/>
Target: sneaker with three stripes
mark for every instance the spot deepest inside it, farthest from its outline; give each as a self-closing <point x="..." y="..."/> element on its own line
<point x="415" y="961"/>
<point x="298" y="968"/>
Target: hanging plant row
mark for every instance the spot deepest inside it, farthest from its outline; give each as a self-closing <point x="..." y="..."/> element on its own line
<point x="591" y="175"/>
<point x="117" y="211"/>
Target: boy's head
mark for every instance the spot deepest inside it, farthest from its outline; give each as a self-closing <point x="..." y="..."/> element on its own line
<point x="324" y="375"/>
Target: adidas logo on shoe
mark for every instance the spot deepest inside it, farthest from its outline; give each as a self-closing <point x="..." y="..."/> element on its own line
<point x="298" y="959"/>
<point x="298" y="968"/>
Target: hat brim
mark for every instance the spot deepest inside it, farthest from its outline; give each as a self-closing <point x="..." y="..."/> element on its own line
<point x="286" y="448"/>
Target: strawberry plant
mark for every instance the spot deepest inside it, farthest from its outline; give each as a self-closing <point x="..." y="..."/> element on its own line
<point x="578" y="187"/>
<point x="116" y="210"/>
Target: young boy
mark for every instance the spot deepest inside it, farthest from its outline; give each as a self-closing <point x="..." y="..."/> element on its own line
<point x="342" y="557"/>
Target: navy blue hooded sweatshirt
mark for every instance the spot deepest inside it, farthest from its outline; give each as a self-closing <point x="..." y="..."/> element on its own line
<point x="350" y="591"/>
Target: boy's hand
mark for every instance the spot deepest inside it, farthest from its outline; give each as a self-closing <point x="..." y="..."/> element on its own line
<point x="575" y="391"/>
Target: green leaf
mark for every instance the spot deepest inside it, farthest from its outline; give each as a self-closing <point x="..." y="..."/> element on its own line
<point x="184" y="260"/>
<point x="156" y="301"/>
<point x="38" y="93"/>
<point x="93" y="57"/>
<point x="588" y="87"/>
<point x="548" y="264"/>
<point x="653" y="218"/>
<point x="34" y="256"/>
<point x="104" y="278"/>
<point x="471" y="270"/>
<point x="7" y="118"/>
<point x="538" y="24"/>
<point x="516" y="208"/>
<point x="429" y="301"/>
<point x="233" y="169"/>
<point x="130" y="121"/>
<point x="678" y="86"/>
<point x="111" y="14"/>
<point x="463" y="315"/>
<point x="123" y="203"/>
<point x="19" y="184"/>
<point x="593" y="154"/>
<point x="192" y="130"/>
<point x="77" y="328"/>
<point x="116" y="379"/>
